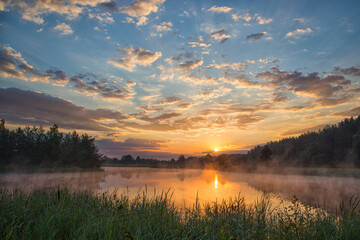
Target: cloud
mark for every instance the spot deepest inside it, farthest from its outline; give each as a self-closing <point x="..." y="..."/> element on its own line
<point x="255" y="36"/>
<point x="35" y="10"/>
<point x="327" y="89"/>
<point x="246" y="119"/>
<point x="12" y="65"/>
<point x="103" y="88"/>
<point x="168" y="100"/>
<point x="140" y="9"/>
<point x="262" y="20"/>
<point x="301" y="131"/>
<point x="164" y="27"/>
<point x="352" y="71"/>
<point x="298" y="32"/>
<point x="300" y="20"/>
<point x="217" y="9"/>
<point x="145" y="148"/>
<point x="104" y="18"/>
<point x="189" y="77"/>
<point x="111" y="6"/>
<point x="10" y="61"/>
<point x="198" y="44"/>
<point x="64" y="29"/>
<point x="246" y="17"/>
<point x="28" y="107"/>
<point x="279" y="97"/>
<point x="220" y="35"/>
<point x="352" y="112"/>
<point x="241" y="80"/>
<point x="239" y="66"/>
<point x="189" y="65"/>
<point x="134" y="57"/>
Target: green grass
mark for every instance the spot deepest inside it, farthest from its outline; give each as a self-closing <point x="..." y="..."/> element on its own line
<point x="60" y="214"/>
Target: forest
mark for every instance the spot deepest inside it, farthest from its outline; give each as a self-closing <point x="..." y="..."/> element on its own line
<point x="334" y="146"/>
<point x="33" y="147"/>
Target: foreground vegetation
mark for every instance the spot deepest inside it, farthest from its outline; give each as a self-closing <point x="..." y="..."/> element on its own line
<point x="60" y="214"/>
<point x="33" y="149"/>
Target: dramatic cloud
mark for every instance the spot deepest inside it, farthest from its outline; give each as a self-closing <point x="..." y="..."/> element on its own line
<point x="134" y="57"/>
<point x="219" y="9"/>
<point x="298" y="32"/>
<point x="255" y="36"/>
<point x="352" y="71"/>
<point x="220" y="35"/>
<point x="64" y="29"/>
<point x="141" y="8"/>
<point x="19" y="106"/>
<point x="328" y="88"/>
<point x="189" y="65"/>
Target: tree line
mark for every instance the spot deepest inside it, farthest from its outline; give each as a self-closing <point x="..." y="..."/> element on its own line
<point x="334" y="146"/>
<point x="33" y="147"/>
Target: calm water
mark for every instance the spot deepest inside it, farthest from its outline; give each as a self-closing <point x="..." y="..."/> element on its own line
<point x="187" y="184"/>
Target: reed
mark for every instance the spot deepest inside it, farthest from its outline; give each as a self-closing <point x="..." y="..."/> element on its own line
<point x="58" y="213"/>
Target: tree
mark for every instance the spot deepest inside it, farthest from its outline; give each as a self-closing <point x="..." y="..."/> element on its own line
<point x="356" y="148"/>
<point x="265" y="154"/>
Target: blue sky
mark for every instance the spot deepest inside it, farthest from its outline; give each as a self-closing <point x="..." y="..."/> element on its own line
<point x="161" y="78"/>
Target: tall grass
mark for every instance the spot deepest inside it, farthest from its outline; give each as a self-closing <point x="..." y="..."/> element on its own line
<point x="58" y="213"/>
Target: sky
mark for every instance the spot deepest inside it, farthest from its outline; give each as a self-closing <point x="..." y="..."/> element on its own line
<point x="160" y="78"/>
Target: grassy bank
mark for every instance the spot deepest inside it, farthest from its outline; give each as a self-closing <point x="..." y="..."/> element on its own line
<point x="61" y="214"/>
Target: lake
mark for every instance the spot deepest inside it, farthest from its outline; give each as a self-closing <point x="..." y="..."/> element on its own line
<point x="187" y="185"/>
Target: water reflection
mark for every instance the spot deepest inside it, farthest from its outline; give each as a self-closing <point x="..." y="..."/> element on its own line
<point x="216" y="181"/>
<point x="186" y="185"/>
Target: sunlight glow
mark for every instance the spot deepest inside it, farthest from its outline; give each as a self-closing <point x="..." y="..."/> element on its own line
<point x="216" y="150"/>
<point x="216" y="181"/>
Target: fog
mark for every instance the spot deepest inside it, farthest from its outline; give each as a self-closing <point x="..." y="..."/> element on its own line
<point x="188" y="184"/>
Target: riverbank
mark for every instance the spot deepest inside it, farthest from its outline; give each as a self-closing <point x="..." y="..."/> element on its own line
<point x="20" y="169"/>
<point x="58" y="213"/>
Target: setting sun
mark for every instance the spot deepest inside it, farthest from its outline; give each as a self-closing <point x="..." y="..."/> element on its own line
<point x="216" y="150"/>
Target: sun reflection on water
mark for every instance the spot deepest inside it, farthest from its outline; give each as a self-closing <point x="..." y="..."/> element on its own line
<point x="216" y="181"/>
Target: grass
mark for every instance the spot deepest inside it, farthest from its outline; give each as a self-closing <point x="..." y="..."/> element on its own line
<point x="58" y="213"/>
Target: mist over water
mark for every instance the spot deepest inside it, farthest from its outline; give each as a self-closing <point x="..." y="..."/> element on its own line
<point x="188" y="185"/>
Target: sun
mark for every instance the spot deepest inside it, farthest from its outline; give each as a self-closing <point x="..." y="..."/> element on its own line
<point x="216" y="150"/>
